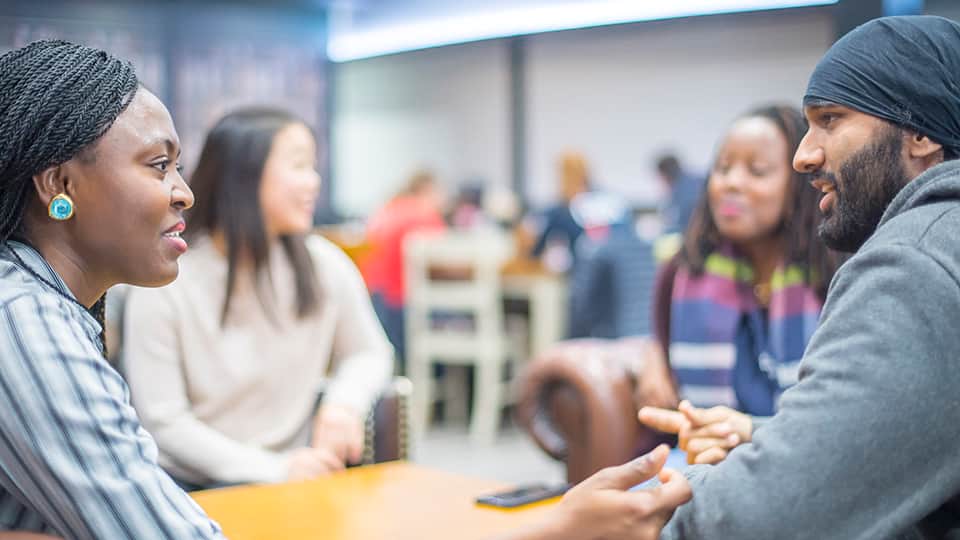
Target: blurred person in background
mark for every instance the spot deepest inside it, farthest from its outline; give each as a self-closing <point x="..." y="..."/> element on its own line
<point x="614" y="272"/>
<point x="467" y="212"/>
<point x="502" y="207"/>
<point x="225" y="364"/>
<point x="559" y="230"/>
<point x="417" y="208"/>
<point x="746" y="290"/>
<point x="684" y="191"/>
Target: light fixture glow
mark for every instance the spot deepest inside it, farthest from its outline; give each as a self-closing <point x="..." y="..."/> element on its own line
<point x="438" y="31"/>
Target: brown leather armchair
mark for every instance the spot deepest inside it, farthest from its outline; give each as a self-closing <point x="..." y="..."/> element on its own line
<point x="579" y="402"/>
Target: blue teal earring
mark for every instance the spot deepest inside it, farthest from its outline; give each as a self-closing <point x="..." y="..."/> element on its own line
<point x="61" y="207"/>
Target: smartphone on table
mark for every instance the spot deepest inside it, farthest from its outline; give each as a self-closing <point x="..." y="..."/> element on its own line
<point x="523" y="495"/>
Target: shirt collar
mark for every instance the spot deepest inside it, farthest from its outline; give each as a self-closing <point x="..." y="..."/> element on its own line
<point x="35" y="261"/>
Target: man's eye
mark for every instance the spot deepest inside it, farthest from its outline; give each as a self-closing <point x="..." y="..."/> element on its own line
<point x="161" y="165"/>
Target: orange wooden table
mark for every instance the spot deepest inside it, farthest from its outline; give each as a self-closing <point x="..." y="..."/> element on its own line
<point x="389" y="501"/>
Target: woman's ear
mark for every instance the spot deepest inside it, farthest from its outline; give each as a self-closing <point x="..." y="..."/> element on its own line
<point x="49" y="183"/>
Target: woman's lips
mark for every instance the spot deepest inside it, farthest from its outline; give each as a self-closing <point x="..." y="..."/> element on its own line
<point x="730" y="210"/>
<point x="172" y="237"/>
<point x="177" y="243"/>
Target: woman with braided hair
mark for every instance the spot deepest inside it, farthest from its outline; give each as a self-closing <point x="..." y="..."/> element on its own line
<point x="90" y="196"/>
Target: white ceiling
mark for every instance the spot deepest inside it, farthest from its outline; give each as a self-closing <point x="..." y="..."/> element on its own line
<point x="365" y="28"/>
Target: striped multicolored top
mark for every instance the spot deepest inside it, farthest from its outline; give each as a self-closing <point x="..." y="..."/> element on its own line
<point x="709" y="310"/>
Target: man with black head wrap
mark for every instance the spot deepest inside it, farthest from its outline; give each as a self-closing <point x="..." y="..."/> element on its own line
<point x="865" y="446"/>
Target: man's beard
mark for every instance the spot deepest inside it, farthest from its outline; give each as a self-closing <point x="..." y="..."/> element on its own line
<point x="871" y="179"/>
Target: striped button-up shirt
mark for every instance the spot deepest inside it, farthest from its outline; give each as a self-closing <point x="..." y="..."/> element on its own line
<point x="74" y="459"/>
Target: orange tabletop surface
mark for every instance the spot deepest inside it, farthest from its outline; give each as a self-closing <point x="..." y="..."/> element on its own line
<point x="389" y="501"/>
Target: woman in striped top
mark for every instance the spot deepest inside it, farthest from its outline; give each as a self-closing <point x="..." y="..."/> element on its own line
<point x="90" y="196"/>
<point x="745" y="291"/>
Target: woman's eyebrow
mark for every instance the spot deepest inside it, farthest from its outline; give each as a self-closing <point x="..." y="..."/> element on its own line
<point x="166" y="142"/>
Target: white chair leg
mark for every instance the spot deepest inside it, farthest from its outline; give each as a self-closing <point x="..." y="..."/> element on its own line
<point x="487" y="401"/>
<point x="455" y="394"/>
<point x="422" y="398"/>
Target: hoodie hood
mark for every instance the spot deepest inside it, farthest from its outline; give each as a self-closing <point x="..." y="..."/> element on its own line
<point x="938" y="183"/>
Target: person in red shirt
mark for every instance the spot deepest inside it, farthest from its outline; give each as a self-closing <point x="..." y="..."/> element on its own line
<point x="418" y="207"/>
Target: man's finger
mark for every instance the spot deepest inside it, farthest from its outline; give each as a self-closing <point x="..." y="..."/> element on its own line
<point x="712" y="431"/>
<point x="673" y="491"/>
<point x="684" y="436"/>
<point x="701" y="417"/>
<point x="663" y="420"/>
<point x="633" y="472"/>
<point x="702" y="444"/>
<point x="711" y="457"/>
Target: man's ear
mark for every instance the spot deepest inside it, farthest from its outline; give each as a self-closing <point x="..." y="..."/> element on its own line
<point x="920" y="146"/>
<point x="49" y="183"/>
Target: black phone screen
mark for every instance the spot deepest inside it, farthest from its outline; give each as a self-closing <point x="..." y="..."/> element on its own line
<point x="523" y="495"/>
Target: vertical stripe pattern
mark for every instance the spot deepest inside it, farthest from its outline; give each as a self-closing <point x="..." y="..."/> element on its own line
<point x="74" y="460"/>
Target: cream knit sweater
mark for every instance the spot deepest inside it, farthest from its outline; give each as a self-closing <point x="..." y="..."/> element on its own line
<point x="226" y="403"/>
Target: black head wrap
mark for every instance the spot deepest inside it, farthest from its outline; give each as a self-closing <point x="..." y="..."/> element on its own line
<point x="902" y="69"/>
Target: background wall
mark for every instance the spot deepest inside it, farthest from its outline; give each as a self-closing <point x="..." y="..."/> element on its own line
<point x="943" y="8"/>
<point x="618" y="94"/>
<point x="201" y="58"/>
<point x="446" y="108"/>
<point x="621" y="95"/>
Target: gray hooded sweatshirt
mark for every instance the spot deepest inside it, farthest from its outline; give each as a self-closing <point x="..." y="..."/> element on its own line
<point x="867" y="445"/>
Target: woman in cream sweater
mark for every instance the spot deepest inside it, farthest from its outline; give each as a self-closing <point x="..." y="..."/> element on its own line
<point x="225" y="363"/>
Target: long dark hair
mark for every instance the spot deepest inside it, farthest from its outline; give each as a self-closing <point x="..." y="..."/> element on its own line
<point x="226" y="184"/>
<point x="56" y="100"/>
<point x="801" y="217"/>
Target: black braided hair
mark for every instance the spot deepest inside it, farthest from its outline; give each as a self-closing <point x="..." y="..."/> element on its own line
<point x="56" y="99"/>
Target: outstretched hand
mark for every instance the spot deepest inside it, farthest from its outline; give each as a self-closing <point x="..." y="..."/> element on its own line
<point x="603" y="507"/>
<point x="706" y="435"/>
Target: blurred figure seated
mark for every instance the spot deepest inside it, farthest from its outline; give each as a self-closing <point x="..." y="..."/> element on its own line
<point x="747" y="286"/>
<point x="225" y="363"/>
<point x="467" y="212"/>
<point x="559" y="231"/>
<point x="418" y="207"/>
<point x="611" y="281"/>
<point x="684" y="192"/>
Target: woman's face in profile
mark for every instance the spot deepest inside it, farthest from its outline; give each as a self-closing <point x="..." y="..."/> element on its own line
<point x="290" y="184"/>
<point x="750" y="181"/>
<point x="129" y="197"/>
